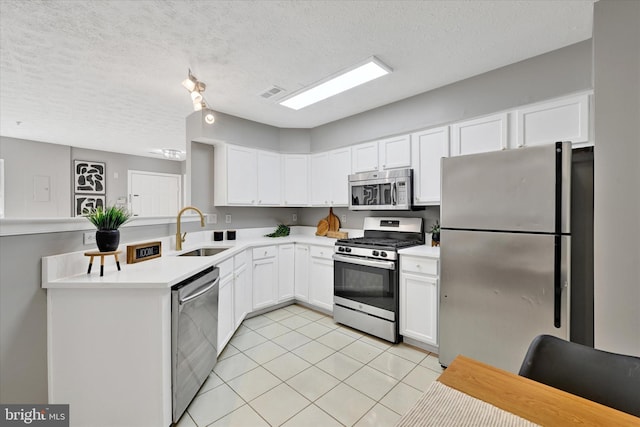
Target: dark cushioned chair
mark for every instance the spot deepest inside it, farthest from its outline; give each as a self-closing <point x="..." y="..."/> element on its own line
<point x="607" y="378"/>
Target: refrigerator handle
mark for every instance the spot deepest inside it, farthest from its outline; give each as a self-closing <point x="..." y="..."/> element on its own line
<point x="557" y="281"/>
<point x="557" y="258"/>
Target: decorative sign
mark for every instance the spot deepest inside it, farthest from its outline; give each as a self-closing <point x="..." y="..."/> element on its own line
<point x="143" y="252"/>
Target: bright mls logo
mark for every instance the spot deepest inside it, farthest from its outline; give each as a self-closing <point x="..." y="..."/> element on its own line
<point x="34" y="415"/>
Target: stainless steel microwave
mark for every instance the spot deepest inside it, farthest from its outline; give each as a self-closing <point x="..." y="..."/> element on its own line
<point x="387" y="190"/>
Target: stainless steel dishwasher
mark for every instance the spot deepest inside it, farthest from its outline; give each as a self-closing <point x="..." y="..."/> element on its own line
<point x="194" y="335"/>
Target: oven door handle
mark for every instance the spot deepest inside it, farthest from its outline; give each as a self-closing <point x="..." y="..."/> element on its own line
<point x="387" y="265"/>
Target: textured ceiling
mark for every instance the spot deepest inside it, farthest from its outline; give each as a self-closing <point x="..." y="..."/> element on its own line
<point x="106" y="74"/>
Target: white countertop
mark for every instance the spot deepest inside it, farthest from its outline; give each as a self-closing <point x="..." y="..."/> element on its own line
<point x="422" y="250"/>
<point x="162" y="272"/>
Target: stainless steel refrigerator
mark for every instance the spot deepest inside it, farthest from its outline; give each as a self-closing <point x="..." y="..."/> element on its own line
<point x="504" y="252"/>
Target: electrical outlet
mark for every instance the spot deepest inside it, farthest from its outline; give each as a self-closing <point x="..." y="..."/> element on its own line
<point x="89" y="238"/>
<point x="227" y="219"/>
<point x="294" y="217"/>
<point x="343" y="218"/>
<point x="212" y="218"/>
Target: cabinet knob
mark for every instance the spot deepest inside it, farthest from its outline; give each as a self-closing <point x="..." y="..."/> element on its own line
<point x="325" y="202"/>
<point x="259" y="201"/>
<point x="253" y="201"/>
<point x="418" y="266"/>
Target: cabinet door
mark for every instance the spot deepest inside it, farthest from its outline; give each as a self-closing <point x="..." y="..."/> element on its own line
<point x="419" y="308"/>
<point x="340" y="167"/>
<point x="395" y="152"/>
<point x="265" y="274"/>
<point x="364" y="157"/>
<point x="242" y="175"/>
<point x="296" y="180"/>
<point x="226" y="325"/>
<point x="286" y="272"/>
<point x="428" y="147"/>
<point x="321" y="283"/>
<point x="560" y="120"/>
<point x="302" y="273"/>
<point x="480" y="135"/>
<point x="320" y="172"/>
<point x="269" y="179"/>
<point x="241" y="295"/>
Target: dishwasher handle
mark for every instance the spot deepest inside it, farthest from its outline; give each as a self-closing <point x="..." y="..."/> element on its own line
<point x="199" y="292"/>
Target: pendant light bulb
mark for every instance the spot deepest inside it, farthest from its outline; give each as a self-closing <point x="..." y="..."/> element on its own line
<point x="196" y="97"/>
<point x="189" y="84"/>
<point x="209" y="118"/>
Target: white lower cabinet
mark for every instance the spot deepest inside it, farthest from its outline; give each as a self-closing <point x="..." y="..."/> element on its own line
<point x="226" y="323"/>
<point x="242" y="288"/>
<point x="302" y="272"/>
<point x="419" y="298"/>
<point x="265" y="277"/>
<point x="286" y="272"/>
<point x="321" y="277"/>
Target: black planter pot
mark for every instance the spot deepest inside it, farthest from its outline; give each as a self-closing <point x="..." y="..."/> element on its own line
<point x="435" y="239"/>
<point x="107" y="240"/>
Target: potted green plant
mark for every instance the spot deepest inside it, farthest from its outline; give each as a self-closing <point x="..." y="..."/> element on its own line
<point x="435" y="234"/>
<point x="107" y="221"/>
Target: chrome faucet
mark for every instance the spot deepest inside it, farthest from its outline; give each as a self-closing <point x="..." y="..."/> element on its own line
<point x="180" y="238"/>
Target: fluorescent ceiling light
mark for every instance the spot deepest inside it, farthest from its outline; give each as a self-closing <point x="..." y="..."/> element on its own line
<point x="355" y="76"/>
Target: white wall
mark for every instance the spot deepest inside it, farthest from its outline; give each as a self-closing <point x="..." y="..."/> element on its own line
<point x="616" y="42"/>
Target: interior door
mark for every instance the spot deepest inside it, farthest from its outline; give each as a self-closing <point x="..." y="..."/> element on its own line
<point x="154" y="194"/>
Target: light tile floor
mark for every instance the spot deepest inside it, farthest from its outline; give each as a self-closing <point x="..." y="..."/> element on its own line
<point x="296" y="367"/>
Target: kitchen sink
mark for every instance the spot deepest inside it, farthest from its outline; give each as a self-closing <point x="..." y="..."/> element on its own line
<point x="204" y="252"/>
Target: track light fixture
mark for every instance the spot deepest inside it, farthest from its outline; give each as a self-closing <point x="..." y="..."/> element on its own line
<point x="196" y="87"/>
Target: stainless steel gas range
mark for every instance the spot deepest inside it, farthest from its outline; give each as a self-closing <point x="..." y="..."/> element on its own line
<point x="366" y="275"/>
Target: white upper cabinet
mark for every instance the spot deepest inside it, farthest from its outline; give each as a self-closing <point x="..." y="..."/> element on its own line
<point x="480" y="135"/>
<point x="395" y="152"/>
<point x="428" y="148"/>
<point x="329" y="175"/>
<point x="364" y="157"/>
<point x="559" y="120"/>
<point x="269" y="179"/>
<point x="340" y="166"/>
<point x="296" y="179"/>
<point x="320" y="173"/>
<point x="242" y="175"/>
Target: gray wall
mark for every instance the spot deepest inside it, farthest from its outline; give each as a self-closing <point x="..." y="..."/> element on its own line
<point x="23" y="160"/>
<point x="233" y="130"/>
<point x="616" y="40"/>
<point x="119" y="164"/>
<point x="550" y="75"/>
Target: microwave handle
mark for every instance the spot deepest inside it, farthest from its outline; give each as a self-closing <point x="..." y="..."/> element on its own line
<point x="394" y="194"/>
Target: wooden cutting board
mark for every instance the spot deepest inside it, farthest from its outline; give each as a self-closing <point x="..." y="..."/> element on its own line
<point x="333" y="220"/>
<point x="323" y="227"/>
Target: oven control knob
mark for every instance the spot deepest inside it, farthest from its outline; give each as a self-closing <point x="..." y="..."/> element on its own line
<point x="347" y="250"/>
<point x="340" y="249"/>
<point x="375" y="253"/>
<point x="383" y="254"/>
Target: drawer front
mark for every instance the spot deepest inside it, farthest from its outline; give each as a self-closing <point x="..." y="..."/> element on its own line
<point x="264" y="252"/>
<point x="240" y="259"/>
<point x="412" y="264"/>
<point x="325" y="252"/>
<point x="226" y="268"/>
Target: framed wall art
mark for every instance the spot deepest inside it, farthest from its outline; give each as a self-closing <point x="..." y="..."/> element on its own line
<point x="89" y="177"/>
<point x="87" y="201"/>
